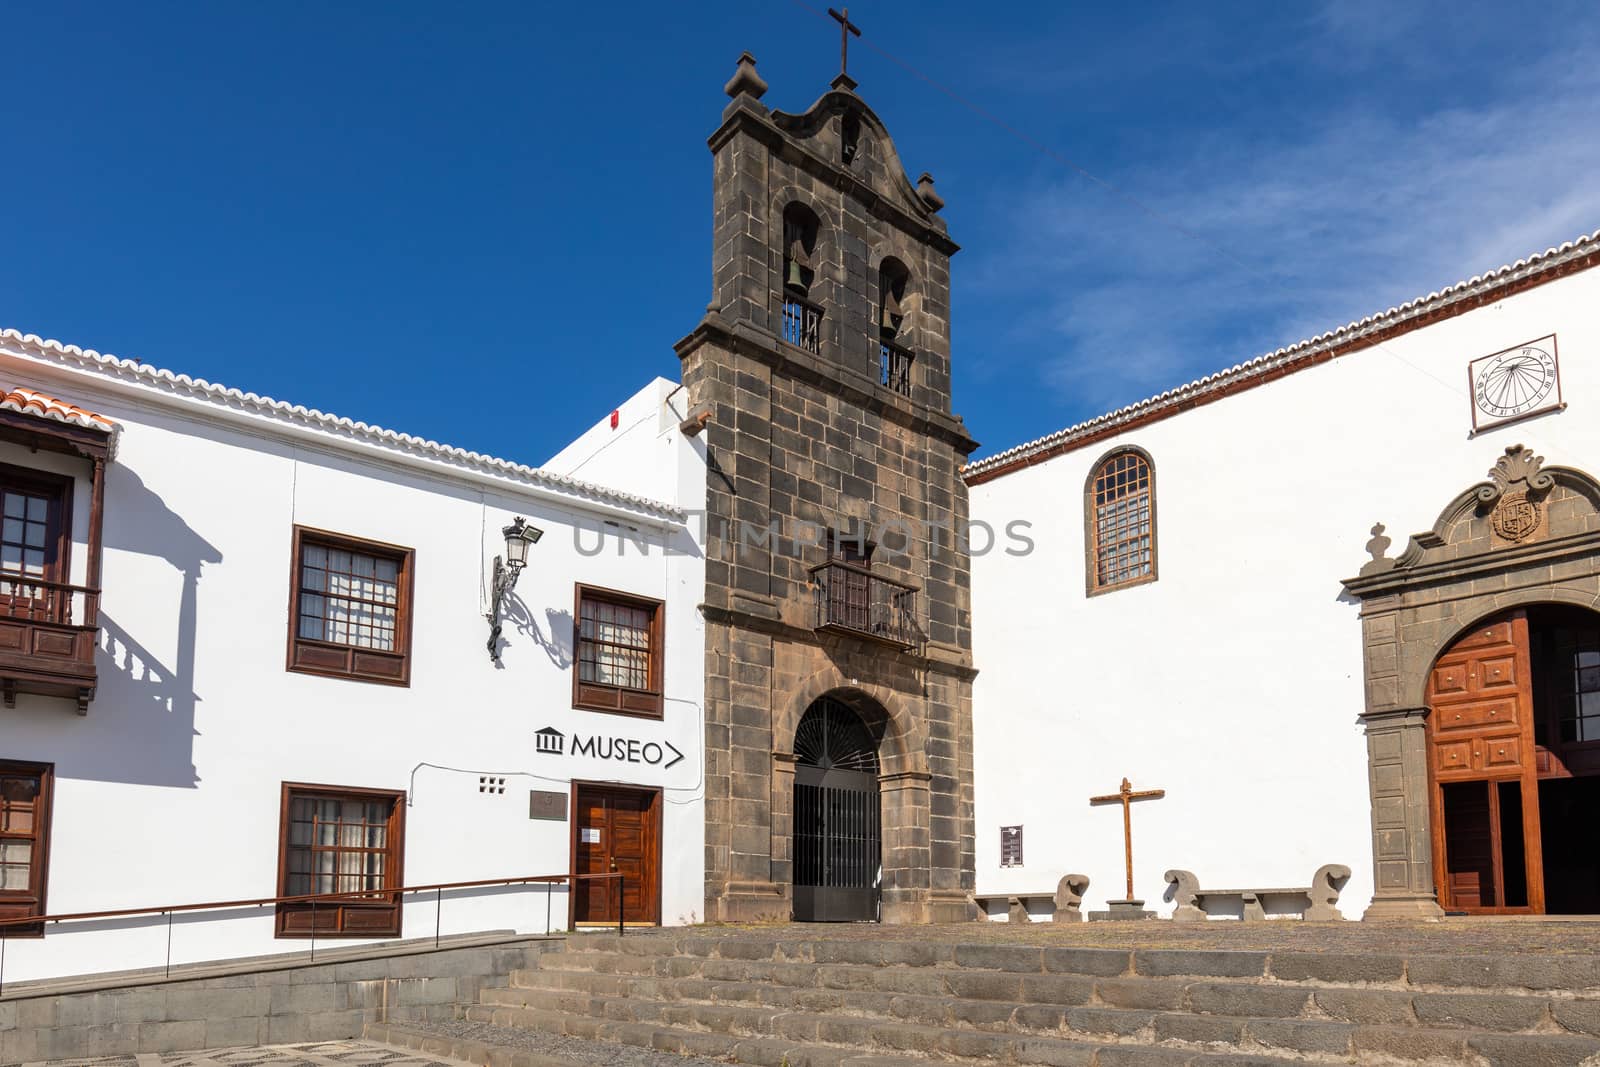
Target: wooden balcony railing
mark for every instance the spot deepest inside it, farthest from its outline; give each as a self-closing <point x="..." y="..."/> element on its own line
<point x="851" y="599"/>
<point x="47" y="638"/>
<point x="802" y="322"/>
<point x="894" y="367"/>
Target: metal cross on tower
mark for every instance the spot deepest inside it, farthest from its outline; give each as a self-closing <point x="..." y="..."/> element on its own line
<point x="846" y="28"/>
<point x="1126" y="796"/>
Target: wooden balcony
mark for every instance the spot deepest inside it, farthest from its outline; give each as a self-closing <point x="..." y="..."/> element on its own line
<point x="850" y="599"/>
<point x="47" y="639"/>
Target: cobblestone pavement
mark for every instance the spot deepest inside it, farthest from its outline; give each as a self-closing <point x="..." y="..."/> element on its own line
<point x="318" y="1054"/>
<point x="1477" y="936"/>
<point x="575" y="1051"/>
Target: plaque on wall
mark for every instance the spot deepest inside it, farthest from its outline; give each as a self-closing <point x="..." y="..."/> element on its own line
<point x="1515" y="383"/>
<point x="547" y="805"/>
<point x="1011" y="846"/>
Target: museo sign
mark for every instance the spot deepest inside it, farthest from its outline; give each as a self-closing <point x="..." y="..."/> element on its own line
<point x="553" y="742"/>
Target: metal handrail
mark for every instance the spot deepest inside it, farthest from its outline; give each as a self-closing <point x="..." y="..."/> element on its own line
<point x="314" y="899"/>
<point x="306" y="898"/>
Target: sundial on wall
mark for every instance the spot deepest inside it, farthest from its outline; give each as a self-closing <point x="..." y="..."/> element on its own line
<point x="1515" y="383"/>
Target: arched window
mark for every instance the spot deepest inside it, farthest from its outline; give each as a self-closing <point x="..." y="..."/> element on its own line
<point x="894" y="358"/>
<point x="849" y="137"/>
<point x="1120" y="521"/>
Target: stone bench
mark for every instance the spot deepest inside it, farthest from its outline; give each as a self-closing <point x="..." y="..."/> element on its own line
<point x="1316" y="902"/>
<point x="1065" y="901"/>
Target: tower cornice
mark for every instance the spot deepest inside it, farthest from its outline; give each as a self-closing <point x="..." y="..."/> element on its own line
<point x="743" y="338"/>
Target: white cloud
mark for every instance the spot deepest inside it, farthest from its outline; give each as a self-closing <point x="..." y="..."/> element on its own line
<point x="1352" y="213"/>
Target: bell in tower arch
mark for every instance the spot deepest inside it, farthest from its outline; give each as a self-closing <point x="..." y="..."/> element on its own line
<point x="800" y="227"/>
<point x="797" y="267"/>
<point x="893" y="313"/>
<point x="893" y="278"/>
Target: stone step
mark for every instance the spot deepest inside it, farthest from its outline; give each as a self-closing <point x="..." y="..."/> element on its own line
<point x="658" y="954"/>
<point x="964" y="1001"/>
<point x="469" y="1050"/>
<point x="859" y="1044"/>
<point x="1548" y="973"/>
<point x="609" y="962"/>
<point x="776" y="984"/>
<point x="948" y="1027"/>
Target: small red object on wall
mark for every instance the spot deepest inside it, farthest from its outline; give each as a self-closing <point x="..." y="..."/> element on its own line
<point x="616" y="416"/>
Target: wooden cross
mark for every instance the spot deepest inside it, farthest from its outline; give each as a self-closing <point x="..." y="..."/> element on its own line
<point x="846" y="28"/>
<point x="1126" y="796"/>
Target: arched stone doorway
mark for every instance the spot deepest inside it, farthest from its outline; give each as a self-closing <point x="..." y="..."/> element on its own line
<point x="838" y="835"/>
<point x="1525" y="540"/>
<point x="1513" y="732"/>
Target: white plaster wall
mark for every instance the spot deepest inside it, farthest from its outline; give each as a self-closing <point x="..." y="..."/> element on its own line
<point x="637" y="454"/>
<point x="1234" y="681"/>
<point x="168" y="790"/>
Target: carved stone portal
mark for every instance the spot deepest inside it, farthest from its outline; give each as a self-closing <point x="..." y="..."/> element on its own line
<point x="1526" y="535"/>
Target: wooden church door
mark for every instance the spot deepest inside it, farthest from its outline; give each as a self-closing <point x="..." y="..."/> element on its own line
<point x="1482" y="772"/>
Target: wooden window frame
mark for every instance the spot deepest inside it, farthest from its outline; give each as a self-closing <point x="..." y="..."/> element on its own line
<point x="16" y="904"/>
<point x="331" y="659"/>
<point x="619" y="700"/>
<point x="59" y="487"/>
<point x="1091" y="529"/>
<point x="840" y="543"/>
<point x="383" y="918"/>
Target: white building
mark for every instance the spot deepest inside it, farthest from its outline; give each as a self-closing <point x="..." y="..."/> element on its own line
<point x="1199" y="615"/>
<point x="243" y="652"/>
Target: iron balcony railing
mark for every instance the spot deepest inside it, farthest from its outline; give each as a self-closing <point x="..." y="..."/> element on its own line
<point x="802" y="322"/>
<point x="894" y="367"/>
<point x="851" y="599"/>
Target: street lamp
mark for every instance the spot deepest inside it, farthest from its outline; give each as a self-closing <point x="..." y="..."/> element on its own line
<point x="519" y="535"/>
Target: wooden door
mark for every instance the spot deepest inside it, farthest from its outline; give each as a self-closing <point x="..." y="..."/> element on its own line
<point x="25" y="790"/>
<point x="1482" y="772"/>
<point x="616" y="830"/>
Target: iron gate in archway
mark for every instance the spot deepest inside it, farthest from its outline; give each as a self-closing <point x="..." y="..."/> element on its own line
<point x="837" y="825"/>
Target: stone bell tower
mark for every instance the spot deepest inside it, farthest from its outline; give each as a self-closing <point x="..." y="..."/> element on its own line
<point x="838" y="639"/>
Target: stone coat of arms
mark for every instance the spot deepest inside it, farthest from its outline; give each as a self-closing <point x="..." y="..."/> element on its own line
<point x="1515" y="518"/>
<point x="1515" y="488"/>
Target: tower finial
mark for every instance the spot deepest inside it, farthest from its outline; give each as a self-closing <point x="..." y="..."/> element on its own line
<point x="745" y="80"/>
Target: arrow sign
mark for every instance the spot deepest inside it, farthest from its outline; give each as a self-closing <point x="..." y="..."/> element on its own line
<point x="663" y="754"/>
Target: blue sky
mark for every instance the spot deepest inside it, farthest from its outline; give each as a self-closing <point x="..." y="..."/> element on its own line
<point x="487" y="223"/>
